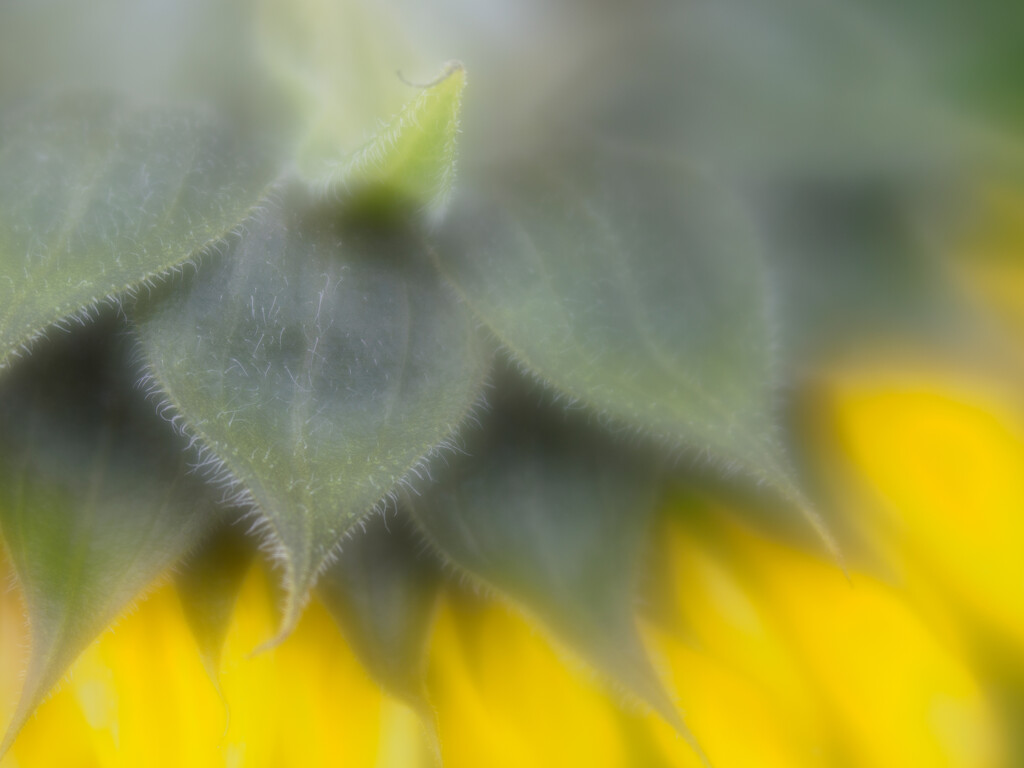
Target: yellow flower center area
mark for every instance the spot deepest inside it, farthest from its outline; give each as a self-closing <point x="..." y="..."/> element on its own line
<point x="773" y="657"/>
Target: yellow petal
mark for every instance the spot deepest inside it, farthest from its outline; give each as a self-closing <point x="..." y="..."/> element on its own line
<point x="506" y="698"/>
<point x="140" y="697"/>
<point x="736" y="722"/>
<point x="840" y="674"/>
<point x="939" y="458"/>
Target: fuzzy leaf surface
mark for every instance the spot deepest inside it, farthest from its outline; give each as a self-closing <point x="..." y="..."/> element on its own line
<point x="636" y="287"/>
<point x="382" y="591"/>
<point x="323" y="365"/>
<point x="95" y="498"/>
<point x="97" y="199"/>
<point x="555" y="518"/>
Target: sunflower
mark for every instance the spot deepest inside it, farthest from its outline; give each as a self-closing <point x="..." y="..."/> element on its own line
<point x="649" y="401"/>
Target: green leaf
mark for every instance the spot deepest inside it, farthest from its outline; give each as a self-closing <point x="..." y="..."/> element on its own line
<point x="96" y="500"/>
<point x="549" y="513"/>
<point x="208" y="583"/>
<point x="411" y="161"/>
<point x="336" y="61"/>
<point x="323" y="365"/>
<point x="382" y="590"/>
<point x="636" y="287"/>
<point x="98" y="199"/>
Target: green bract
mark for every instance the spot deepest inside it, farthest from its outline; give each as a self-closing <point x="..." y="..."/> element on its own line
<point x="411" y="161"/>
<point x="100" y="198"/>
<point x="555" y="517"/>
<point x="95" y="498"/>
<point x="382" y="591"/>
<point x="324" y="366"/>
<point x="634" y="286"/>
<point x="208" y="582"/>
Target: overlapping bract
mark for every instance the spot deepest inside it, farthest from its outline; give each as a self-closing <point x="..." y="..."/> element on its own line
<point x="100" y="198"/>
<point x="96" y="500"/>
<point x="323" y="367"/>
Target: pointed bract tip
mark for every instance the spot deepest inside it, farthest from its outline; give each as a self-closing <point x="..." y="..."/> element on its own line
<point x="14" y="727"/>
<point x="666" y="708"/>
<point x="420" y="704"/>
<point x="295" y="601"/>
<point x="268" y="645"/>
<point x="449" y="68"/>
